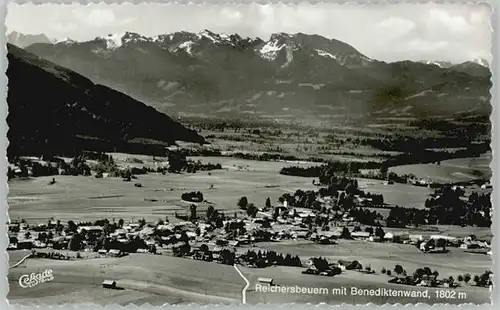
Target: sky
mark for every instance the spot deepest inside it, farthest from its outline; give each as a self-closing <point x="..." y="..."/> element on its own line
<point x="391" y="32"/>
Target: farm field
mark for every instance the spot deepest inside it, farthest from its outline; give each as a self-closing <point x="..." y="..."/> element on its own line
<point x="405" y="195"/>
<point x="151" y="279"/>
<point x="378" y="255"/>
<point x="159" y="279"/>
<point x="88" y="198"/>
<point x="452" y="170"/>
<point x="290" y="276"/>
<point x="375" y="255"/>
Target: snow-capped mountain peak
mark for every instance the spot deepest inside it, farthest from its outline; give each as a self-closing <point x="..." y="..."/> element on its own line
<point x="65" y="41"/>
<point x="209" y="35"/>
<point x="113" y="40"/>
<point x="132" y="37"/>
<point x="440" y="64"/>
<point x="270" y="50"/>
<point x="449" y="64"/>
<point x="186" y="46"/>
<point x="23" y="40"/>
<point x="481" y="61"/>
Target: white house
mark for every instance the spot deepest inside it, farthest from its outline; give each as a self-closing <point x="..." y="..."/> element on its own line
<point x="95" y="229"/>
<point x="360" y="235"/>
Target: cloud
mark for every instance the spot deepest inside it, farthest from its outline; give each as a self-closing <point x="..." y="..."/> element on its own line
<point x="454" y="24"/>
<point x="98" y="18"/>
<point x="389" y="32"/>
<point x="396" y="26"/>
<point x="231" y="15"/>
<point x="424" y="46"/>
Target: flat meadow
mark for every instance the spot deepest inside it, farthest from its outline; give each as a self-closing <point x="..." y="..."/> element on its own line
<point x="154" y="279"/>
<point x="452" y="170"/>
<point x="89" y="198"/>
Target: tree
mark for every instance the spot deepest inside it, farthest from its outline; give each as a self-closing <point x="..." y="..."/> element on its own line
<point x="476" y="279"/>
<point x="176" y="161"/>
<point x="243" y="202"/>
<point x="251" y="210"/>
<point x="120" y="223"/>
<point x="460" y="278"/>
<point x="72" y="226"/>
<point x="210" y="212"/>
<point x="369" y="230"/>
<point x="192" y="208"/>
<point x="379" y="232"/>
<point x="75" y="243"/>
<point x="398" y="269"/>
<point x="204" y="248"/>
<point x="268" y="203"/>
<point x="319" y="263"/>
<point x="467" y="278"/>
<point x="419" y="273"/>
<point x="383" y="171"/>
<point x="441" y="243"/>
<point x="345" y="233"/>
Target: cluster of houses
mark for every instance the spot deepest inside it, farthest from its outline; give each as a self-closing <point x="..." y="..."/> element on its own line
<point x="204" y="241"/>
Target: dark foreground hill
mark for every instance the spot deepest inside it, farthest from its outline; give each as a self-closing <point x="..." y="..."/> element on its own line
<point x="55" y="110"/>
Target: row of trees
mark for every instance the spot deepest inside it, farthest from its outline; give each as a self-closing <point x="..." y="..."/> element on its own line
<point x="54" y="166"/>
<point x="324" y="172"/>
<point x="192" y="196"/>
<point x="445" y="210"/>
<point x="268" y="258"/>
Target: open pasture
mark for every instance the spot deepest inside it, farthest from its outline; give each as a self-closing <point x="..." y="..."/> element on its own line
<point x="145" y="278"/>
<point x="404" y="195"/>
<point x="291" y="277"/>
<point x="378" y="255"/>
<point x="89" y="198"/>
<point x="375" y="255"/>
<point x="452" y="170"/>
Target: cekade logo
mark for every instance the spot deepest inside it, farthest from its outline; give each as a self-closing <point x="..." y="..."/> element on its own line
<point x="33" y="279"/>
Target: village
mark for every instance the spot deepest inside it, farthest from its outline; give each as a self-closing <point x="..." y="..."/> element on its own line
<point x="213" y="237"/>
<point x="313" y="228"/>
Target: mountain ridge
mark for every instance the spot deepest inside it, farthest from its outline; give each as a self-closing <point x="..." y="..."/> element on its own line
<point x="23" y="40"/>
<point x="64" y="111"/>
<point x="289" y="74"/>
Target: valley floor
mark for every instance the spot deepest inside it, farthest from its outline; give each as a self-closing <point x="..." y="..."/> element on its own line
<point x="159" y="279"/>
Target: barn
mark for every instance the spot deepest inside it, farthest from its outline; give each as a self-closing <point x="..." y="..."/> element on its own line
<point x="109" y="284"/>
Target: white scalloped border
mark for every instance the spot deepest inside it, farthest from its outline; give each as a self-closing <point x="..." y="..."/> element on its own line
<point x="495" y="293"/>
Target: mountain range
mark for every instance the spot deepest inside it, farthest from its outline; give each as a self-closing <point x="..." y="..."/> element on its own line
<point x="24" y="40"/>
<point x="289" y="75"/>
<point x="56" y="110"/>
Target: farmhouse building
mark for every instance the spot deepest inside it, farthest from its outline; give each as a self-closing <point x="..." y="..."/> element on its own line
<point x="360" y="235"/>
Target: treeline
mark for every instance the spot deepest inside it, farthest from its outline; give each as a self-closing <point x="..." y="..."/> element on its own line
<point x="411" y="144"/>
<point x="328" y="170"/>
<point x="448" y="209"/>
<point x="422" y="156"/>
<point x="192" y="196"/>
<point x="477" y="125"/>
<point x="414" y="157"/>
<point x="177" y="162"/>
<point x="268" y="258"/>
<point x="274" y="157"/>
<point x="48" y="167"/>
